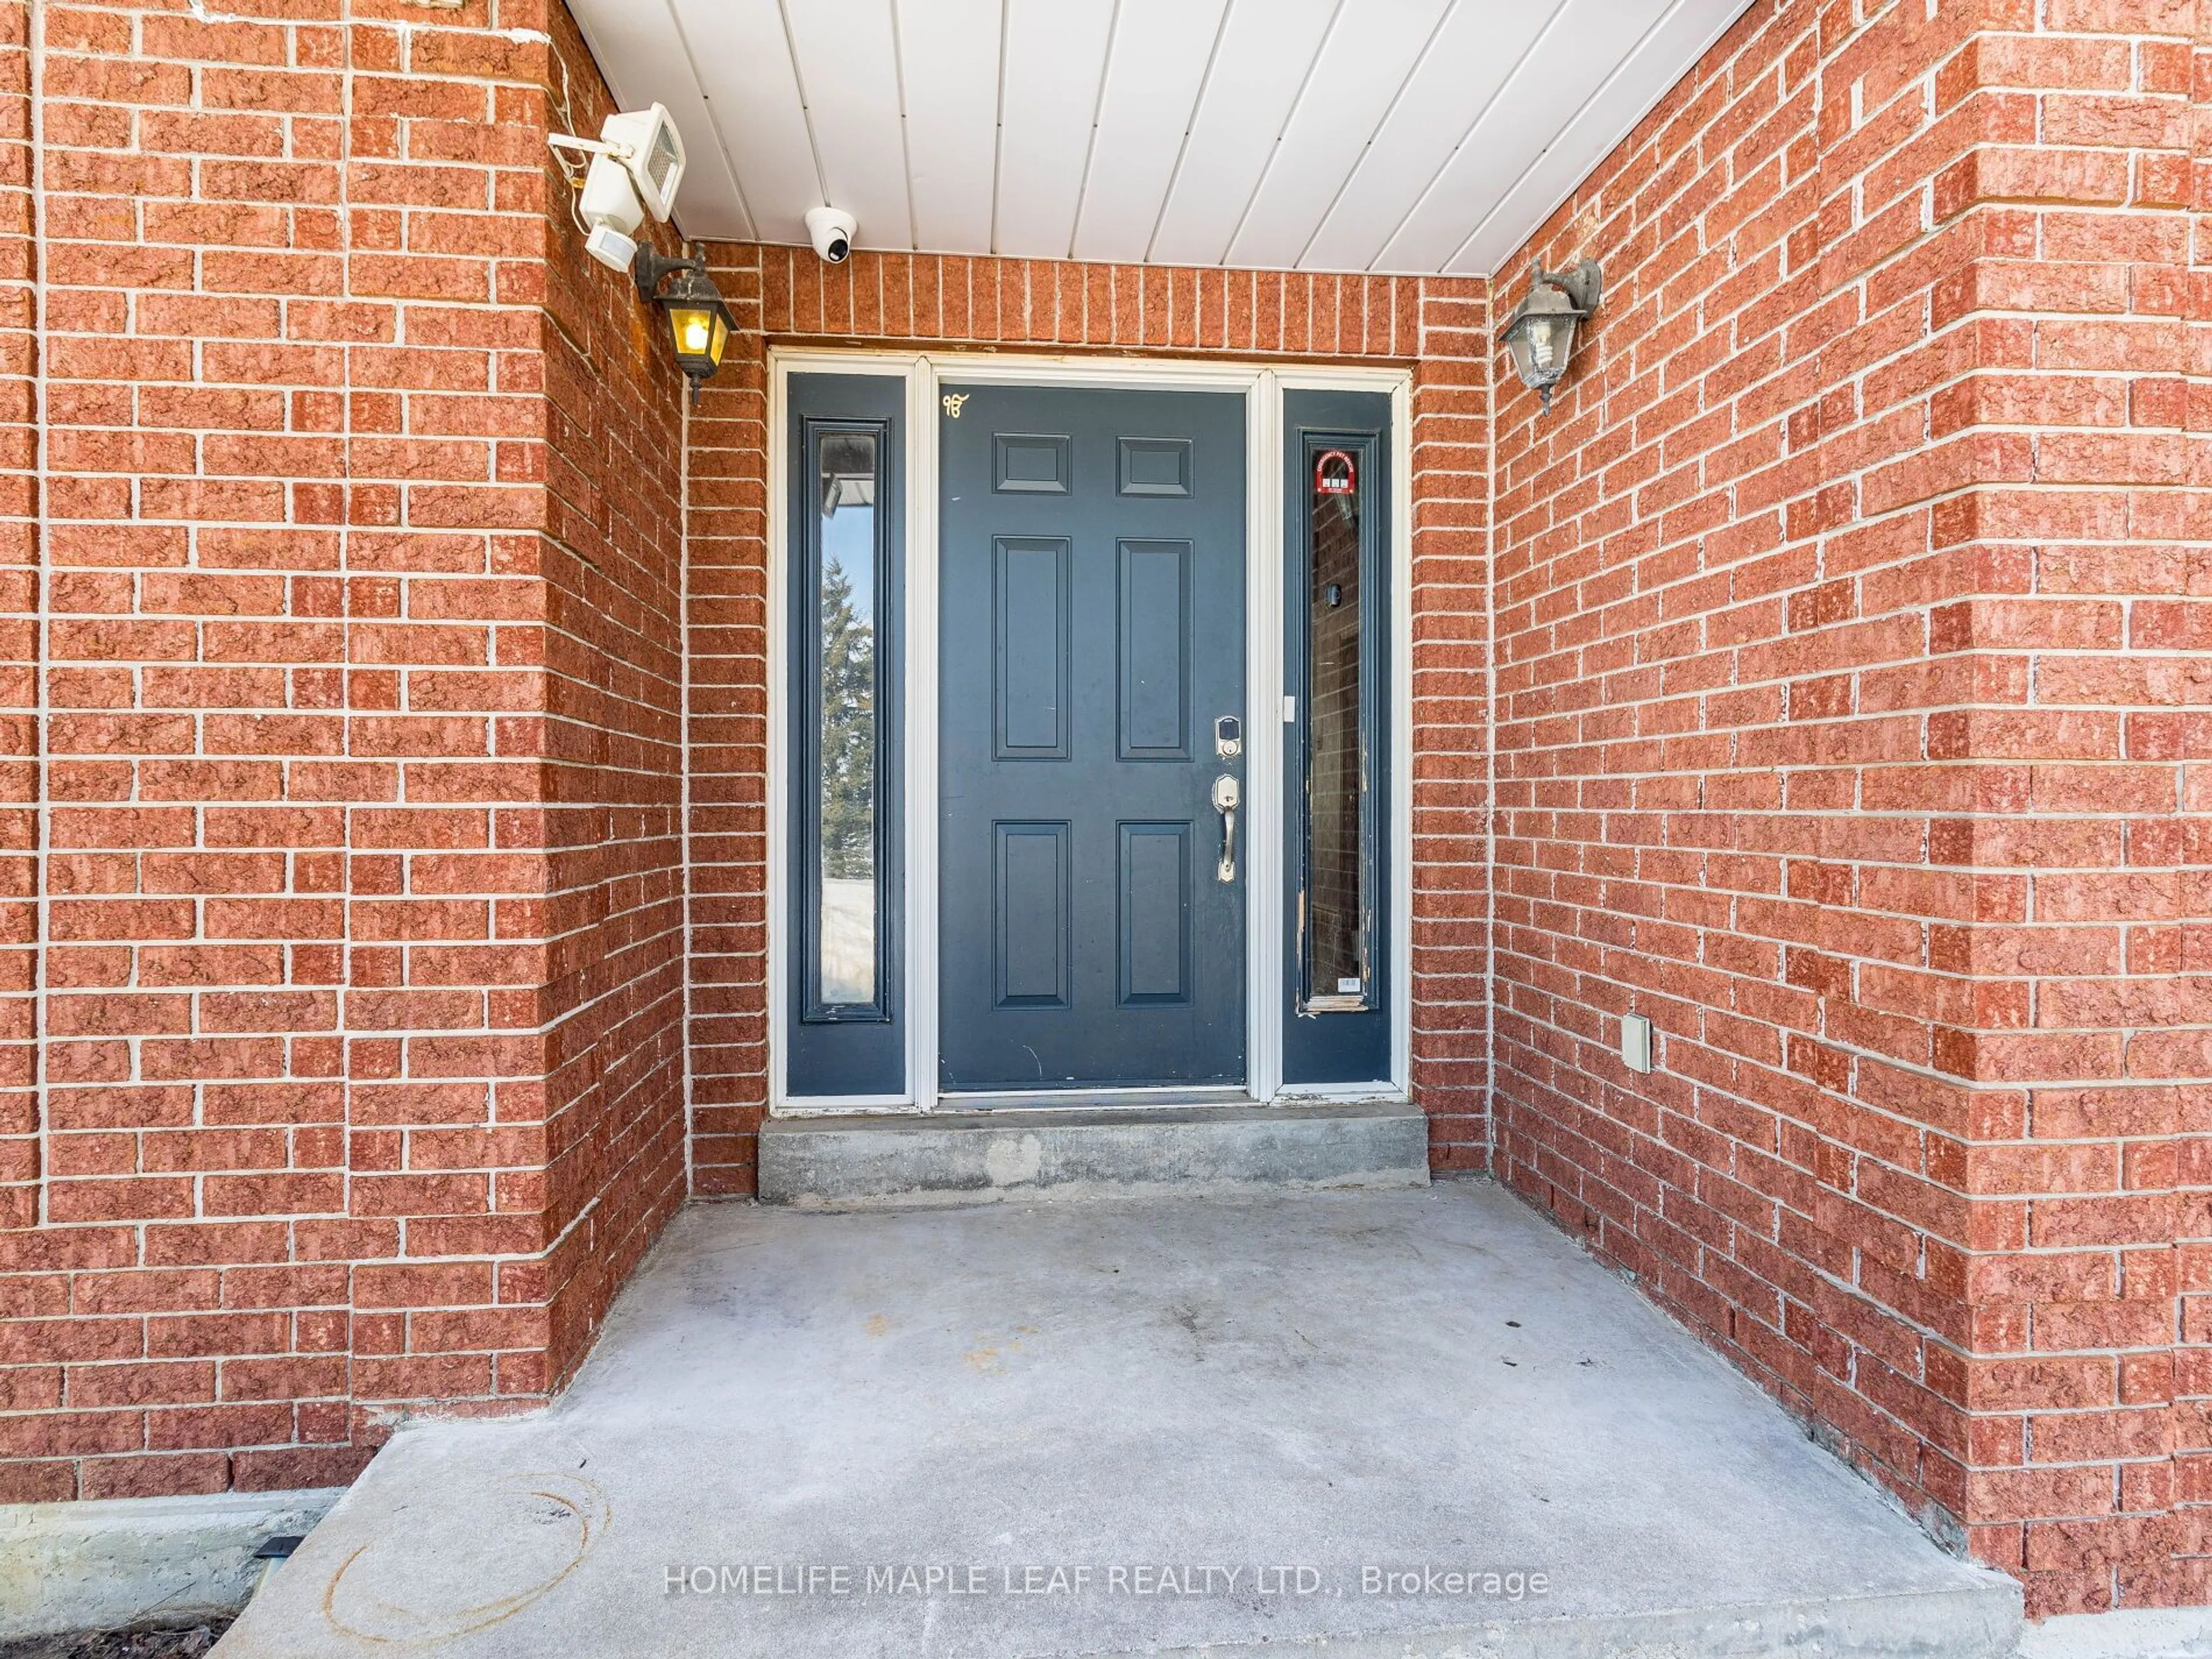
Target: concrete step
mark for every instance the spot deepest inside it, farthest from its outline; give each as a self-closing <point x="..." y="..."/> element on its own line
<point x="116" y="1564"/>
<point x="1081" y="1150"/>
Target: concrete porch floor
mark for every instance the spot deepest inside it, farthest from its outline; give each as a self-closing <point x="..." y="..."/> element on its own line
<point x="1328" y="1382"/>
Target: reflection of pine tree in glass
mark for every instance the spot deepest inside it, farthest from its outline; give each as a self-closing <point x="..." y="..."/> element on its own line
<point x="848" y="733"/>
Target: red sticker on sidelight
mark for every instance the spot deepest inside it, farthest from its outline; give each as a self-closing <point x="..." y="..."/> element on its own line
<point x="1336" y="473"/>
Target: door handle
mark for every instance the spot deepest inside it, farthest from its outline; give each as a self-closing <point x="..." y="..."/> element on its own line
<point x="1226" y="796"/>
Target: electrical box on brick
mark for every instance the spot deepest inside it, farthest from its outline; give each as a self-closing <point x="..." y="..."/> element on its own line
<point x="1636" y="1043"/>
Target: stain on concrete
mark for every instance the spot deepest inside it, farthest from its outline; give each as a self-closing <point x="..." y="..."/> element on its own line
<point x="406" y="1587"/>
<point x="1014" y="1161"/>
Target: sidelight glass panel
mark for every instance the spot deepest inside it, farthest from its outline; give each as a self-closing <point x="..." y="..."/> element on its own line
<point x="849" y="795"/>
<point x="1337" y="869"/>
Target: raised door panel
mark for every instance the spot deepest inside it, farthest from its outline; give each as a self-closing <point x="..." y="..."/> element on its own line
<point x="1032" y="920"/>
<point x="1154" y="903"/>
<point x="1031" y="648"/>
<point x="1153" y="625"/>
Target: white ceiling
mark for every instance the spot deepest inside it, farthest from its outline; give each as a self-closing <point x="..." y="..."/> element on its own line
<point x="1403" y="136"/>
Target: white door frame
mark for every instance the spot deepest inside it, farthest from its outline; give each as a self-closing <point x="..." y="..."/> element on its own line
<point x="1262" y="386"/>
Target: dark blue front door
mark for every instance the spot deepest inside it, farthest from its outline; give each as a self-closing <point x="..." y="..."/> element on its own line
<point x="1093" y="675"/>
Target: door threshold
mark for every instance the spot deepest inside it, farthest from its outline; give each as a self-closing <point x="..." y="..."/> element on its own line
<point x="1040" y="1100"/>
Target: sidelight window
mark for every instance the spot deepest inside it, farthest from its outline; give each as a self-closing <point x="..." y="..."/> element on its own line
<point x="1338" y="900"/>
<point x="841" y="672"/>
<point x="846" y="682"/>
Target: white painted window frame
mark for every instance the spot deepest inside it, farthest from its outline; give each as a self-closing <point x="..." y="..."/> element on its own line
<point x="1262" y="386"/>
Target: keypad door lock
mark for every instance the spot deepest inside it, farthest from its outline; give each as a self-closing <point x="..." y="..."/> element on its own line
<point x="1229" y="737"/>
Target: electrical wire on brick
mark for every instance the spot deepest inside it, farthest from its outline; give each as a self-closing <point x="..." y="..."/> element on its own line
<point x="573" y="167"/>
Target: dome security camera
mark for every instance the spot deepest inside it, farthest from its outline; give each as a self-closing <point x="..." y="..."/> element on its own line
<point x="831" y="231"/>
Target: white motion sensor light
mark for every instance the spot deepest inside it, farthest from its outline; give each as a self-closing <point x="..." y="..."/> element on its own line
<point x="610" y="208"/>
<point x="637" y="164"/>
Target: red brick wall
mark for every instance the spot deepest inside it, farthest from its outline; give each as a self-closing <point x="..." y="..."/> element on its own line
<point x="1844" y="728"/>
<point x="2088" y="417"/>
<point x="370" y="606"/>
<point x="614" y="1148"/>
<point x="19" y="644"/>
<point x="360" y="537"/>
<point x="781" y="295"/>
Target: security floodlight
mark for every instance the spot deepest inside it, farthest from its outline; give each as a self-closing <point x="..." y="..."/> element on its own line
<point x="647" y="143"/>
<point x="637" y="164"/>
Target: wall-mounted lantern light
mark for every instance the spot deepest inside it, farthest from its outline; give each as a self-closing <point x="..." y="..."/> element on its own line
<point x="1540" y="335"/>
<point x="697" y="319"/>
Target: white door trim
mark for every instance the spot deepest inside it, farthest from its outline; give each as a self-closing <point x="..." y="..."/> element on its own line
<point x="1262" y="386"/>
